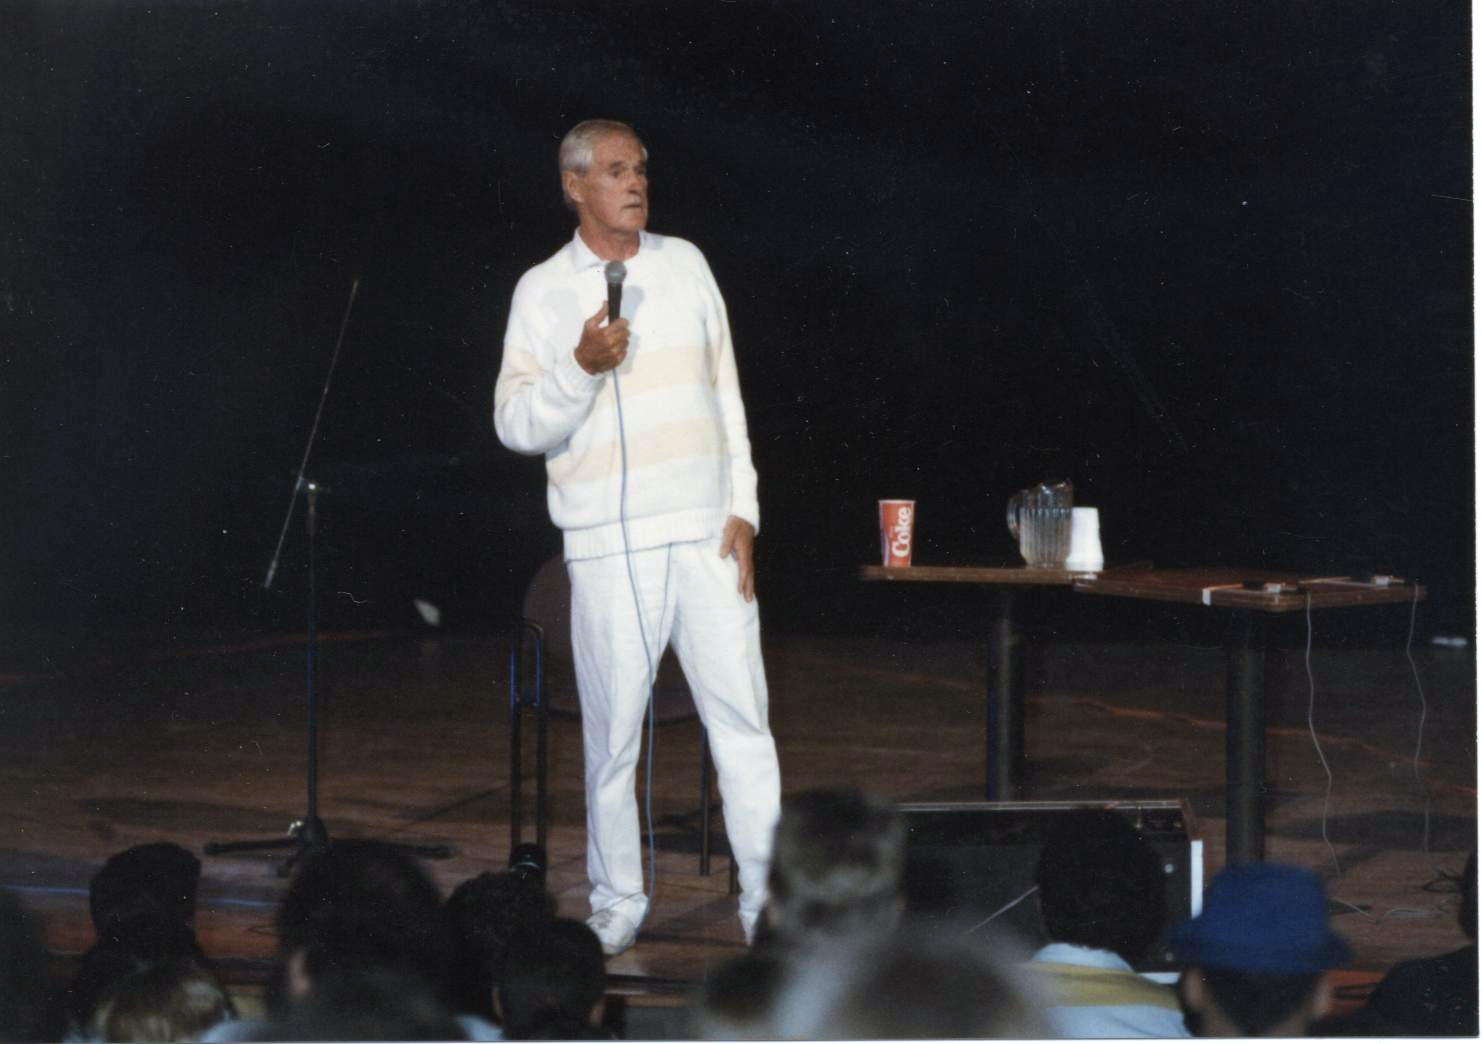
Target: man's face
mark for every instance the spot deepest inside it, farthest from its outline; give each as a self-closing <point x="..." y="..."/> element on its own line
<point x="613" y="192"/>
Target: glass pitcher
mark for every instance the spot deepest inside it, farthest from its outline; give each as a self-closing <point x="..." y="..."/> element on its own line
<point x="1039" y="518"/>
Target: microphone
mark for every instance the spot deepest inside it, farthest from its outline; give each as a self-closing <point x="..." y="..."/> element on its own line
<point x="615" y="273"/>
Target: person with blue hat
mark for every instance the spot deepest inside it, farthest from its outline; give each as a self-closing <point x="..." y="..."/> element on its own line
<point x="1256" y="958"/>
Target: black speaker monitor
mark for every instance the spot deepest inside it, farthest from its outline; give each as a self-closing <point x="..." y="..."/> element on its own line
<point x="972" y="864"/>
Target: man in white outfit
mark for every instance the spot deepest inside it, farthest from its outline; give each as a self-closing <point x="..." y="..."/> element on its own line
<point x="641" y="423"/>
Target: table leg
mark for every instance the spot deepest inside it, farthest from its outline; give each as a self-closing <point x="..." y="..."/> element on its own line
<point x="1004" y="700"/>
<point x="1245" y="738"/>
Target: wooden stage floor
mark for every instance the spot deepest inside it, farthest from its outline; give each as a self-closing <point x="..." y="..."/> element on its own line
<point x="206" y="742"/>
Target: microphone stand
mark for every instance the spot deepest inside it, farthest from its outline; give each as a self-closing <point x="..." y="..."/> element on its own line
<point x="308" y="834"/>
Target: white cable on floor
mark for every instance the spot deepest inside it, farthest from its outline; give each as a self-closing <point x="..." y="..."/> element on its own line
<point x="1425" y="840"/>
<point x="1312" y="728"/>
<point x="1399" y="911"/>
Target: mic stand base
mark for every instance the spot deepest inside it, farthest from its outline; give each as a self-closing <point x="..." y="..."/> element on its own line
<point x="307" y="836"/>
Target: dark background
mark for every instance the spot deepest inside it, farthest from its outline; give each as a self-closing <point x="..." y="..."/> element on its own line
<point x="1210" y="262"/>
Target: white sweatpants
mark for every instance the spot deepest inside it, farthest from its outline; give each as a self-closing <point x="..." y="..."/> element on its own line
<point x="688" y="593"/>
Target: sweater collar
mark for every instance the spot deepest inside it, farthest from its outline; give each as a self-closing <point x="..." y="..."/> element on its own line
<point x="1084" y="956"/>
<point x="582" y="258"/>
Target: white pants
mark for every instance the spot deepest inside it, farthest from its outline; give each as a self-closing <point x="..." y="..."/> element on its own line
<point x="688" y="593"/>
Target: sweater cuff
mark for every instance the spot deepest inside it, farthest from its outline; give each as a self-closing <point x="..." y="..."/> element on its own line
<point x="575" y="381"/>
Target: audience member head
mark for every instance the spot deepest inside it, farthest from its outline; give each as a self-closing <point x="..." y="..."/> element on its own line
<point x="1257" y="955"/>
<point x="129" y="947"/>
<point x="911" y="984"/>
<point x="552" y="983"/>
<point x="1101" y="885"/>
<point x="356" y="907"/>
<point x="736" y="1001"/>
<point x="479" y="919"/>
<point x="174" y="1000"/>
<point x="368" y="1004"/>
<point x="22" y="972"/>
<point x="837" y="865"/>
<point x="153" y="881"/>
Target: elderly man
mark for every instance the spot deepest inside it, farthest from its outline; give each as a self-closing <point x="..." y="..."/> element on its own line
<point x="640" y="420"/>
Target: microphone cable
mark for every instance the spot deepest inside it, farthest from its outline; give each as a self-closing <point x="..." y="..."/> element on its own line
<point x="648" y="772"/>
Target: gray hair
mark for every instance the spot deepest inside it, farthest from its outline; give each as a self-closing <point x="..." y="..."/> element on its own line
<point x="917" y="984"/>
<point x="577" y="146"/>
<point x="838" y="862"/>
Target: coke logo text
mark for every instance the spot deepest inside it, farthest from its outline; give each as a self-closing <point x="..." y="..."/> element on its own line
<point x="900" y="533"/>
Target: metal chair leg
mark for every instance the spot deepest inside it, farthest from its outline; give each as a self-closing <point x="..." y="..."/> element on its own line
<point x="521" y="697"/>
<point x="515" y="826"/>
<point x="542" y="761"/>
<point x="707" y="770"/>
<point x="533" y="696"/>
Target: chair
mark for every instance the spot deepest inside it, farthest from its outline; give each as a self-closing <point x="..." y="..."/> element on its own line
<point x="542" y="679"/>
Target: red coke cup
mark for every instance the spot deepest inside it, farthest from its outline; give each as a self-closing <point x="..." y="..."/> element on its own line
<point x="897" y="528"/>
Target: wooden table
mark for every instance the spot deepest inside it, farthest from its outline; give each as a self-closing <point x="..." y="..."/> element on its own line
<point x="1249" y="595"/>
<point x="1004" y="700"/>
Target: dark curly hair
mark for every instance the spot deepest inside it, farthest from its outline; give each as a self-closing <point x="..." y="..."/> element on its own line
<point x="480" y="919"/>
<point x="358" y="906"/>
<point x="1101" y="885"/>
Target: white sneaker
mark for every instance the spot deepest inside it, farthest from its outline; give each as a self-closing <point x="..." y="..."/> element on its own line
<point x="613" y="930"/>
<point x="748" y="926"/>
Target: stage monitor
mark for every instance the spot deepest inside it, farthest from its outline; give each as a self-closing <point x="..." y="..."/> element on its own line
<point x="972" y="863"/>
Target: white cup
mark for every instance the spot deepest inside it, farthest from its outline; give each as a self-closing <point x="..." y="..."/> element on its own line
<point x="1085" y="541"/>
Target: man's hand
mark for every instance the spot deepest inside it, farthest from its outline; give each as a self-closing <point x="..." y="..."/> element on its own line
<point x="737" y="540"/>
<point x="602" y="348"/>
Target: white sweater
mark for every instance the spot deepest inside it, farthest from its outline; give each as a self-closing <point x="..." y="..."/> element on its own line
<point x="689" y="458"/>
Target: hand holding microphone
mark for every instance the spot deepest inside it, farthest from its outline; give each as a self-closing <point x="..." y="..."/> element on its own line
<point x="603" y="348"/>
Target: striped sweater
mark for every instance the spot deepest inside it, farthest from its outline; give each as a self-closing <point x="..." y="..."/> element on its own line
<point x="688" y="455"/>
<point x="1094" y="993"/>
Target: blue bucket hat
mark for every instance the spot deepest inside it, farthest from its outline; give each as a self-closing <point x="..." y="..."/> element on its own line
<point x="1265" y="919"/>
